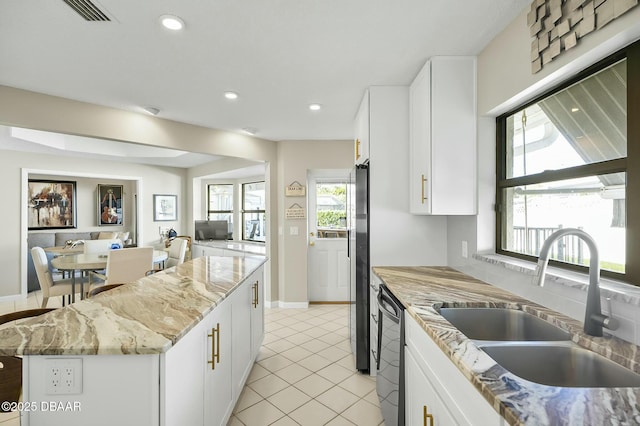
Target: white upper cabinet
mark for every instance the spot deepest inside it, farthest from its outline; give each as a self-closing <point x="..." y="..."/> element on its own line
<point x="361" y="140"/>
<point x="442" y="133"/>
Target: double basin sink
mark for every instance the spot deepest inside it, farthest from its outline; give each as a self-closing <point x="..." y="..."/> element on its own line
<point x="536" y="350"/>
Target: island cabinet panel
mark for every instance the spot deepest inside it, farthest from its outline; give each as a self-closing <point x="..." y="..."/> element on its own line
<point x="241" y="334"/>
<point x="114" y="390"/>
<point x="442" y="135"/>
<point x="218" y="369"/>
<point x="432" y="380"/>
<point x="257" y="311"/>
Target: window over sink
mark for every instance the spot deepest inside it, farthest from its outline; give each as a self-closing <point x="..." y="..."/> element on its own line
<point x="571" y="158"/>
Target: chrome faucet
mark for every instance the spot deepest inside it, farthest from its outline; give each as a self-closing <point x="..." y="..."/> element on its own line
<point x="594" y="320"/>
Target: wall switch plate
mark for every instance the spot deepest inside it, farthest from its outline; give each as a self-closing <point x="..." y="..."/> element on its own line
<point x="465" y="250"/>
<point x="63" y="376"/>
<point x="293" y="230"/>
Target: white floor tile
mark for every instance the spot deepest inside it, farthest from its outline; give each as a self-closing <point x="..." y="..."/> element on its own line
<point x="289" y="399"/>
<point x="312" y="414"/>
<point x="268" y="385"/>
<point x="260" y="414"/>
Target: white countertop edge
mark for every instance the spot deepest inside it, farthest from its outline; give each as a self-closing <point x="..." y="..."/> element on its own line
<point x="616" y="290"/>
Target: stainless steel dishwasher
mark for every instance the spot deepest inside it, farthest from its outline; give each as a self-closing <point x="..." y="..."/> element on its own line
<point x="390" y="361"/>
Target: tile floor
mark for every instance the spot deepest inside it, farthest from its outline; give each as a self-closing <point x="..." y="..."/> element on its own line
<point x="304" y="374"/>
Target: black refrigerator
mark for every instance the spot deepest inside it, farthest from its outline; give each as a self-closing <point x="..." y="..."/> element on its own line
<point x="358" y="198"/>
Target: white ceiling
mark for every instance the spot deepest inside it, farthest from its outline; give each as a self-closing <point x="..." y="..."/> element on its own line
<point x="279" y="55"/>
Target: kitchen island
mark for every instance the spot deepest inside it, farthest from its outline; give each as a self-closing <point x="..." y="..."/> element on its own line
<point x="174" y="347"/>
<point x="424" y="290"/>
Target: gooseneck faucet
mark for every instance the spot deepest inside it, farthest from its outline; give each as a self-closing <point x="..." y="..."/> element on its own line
<point x="594" y="320"/>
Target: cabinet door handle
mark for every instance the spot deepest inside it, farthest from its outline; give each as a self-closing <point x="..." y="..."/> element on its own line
<point x="357" y="149"/>
<point x="428" y="416"/>
<point x="256" y="295"/>
<point x="423" y="197"/>
<point x="215" y="346"/>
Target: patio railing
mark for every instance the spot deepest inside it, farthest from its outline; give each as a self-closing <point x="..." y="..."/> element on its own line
<point x="529" y="241"/>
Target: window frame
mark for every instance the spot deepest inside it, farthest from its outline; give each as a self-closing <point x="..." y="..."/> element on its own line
<point x="210" y="212"/>
<point x="243" y="211"/>
<point x="629" y="165"/>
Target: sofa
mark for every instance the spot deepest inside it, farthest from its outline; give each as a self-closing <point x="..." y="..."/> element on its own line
<point x="51" y="239"/>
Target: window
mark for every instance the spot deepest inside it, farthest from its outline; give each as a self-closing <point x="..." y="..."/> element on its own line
<point x="253" y="211"/>
<point x="331" y="210"/>
<point x="220" y="203"/>
<point x="563" y="161"/>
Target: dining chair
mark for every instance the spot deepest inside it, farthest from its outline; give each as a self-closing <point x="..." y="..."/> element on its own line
<point x="48" y="286"/>
<point x="11" y="366"/>
<point x="177" y="251"/>
<point x="126" y="265"/>
<point x="187" y="255"/>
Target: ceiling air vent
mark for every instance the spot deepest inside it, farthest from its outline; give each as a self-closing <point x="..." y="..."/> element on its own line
<point x="87" y="10"/>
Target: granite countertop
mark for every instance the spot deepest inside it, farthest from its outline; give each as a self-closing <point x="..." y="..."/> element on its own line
<point x="422" y="290"/>
<point x="147" y="316"/>
<point x="242" y="246"/>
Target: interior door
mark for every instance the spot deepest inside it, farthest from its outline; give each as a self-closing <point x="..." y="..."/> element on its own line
<point x="327" y="257"/>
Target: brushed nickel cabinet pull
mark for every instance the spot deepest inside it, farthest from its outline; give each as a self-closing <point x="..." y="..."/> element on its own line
<point x="255" y="295"/>
<point x="423" y="197"/>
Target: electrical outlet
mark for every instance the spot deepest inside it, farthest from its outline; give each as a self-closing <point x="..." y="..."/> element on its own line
<point x="63" y="376"/>
<point x="465" y="251"/>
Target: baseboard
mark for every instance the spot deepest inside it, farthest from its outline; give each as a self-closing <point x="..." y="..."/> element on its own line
<point x="286" y="305"/>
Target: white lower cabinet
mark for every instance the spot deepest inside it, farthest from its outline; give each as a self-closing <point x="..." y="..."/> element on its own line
<point x="257" y="312"/>
<point x="218" y="370"/>
<point x="436" y="391"/>
<point x="423" y="405"/>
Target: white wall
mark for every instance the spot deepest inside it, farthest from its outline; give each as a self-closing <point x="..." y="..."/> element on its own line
<point x="504" y="82"/>
<point x="295" y="158"/>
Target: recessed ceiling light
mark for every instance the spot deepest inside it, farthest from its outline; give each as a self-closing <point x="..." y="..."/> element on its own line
<point x="231" y="95"/>
<point x="172" y="22"/>
<point x="315" y="107"/>
<point x="250" y="130"/>
<point x="574" y="109"/>
<point x="151" y="110"/>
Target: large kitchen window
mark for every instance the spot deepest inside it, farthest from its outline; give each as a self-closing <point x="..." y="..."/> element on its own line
<point x="569" y="159"/>
<point x="253" y="211"/>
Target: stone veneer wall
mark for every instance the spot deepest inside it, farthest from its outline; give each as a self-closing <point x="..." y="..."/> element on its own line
<point x="557" y="25"/>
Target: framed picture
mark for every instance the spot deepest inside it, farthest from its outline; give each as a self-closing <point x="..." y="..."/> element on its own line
<point x="110" y="205"/>
<point x="52" y="204"/>
<point x="165" y="207"/>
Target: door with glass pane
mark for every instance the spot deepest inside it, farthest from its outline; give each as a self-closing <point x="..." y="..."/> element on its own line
<point x="327" y="260"/>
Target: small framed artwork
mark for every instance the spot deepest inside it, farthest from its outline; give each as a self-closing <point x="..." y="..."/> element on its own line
<point x="165" y="207"/>
<point x="110" y="205"/>
<point x="52" y="204"/>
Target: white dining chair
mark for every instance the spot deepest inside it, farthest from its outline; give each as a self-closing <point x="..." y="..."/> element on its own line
<point x="48" y="286"/>
<point x="126" y="265"/>
<point x="177" y="251"/>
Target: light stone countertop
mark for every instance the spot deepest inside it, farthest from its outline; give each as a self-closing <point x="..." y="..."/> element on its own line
<point x="147" y="316"/>
<point x="241" y="246"/>
<point x="422" y="290"/>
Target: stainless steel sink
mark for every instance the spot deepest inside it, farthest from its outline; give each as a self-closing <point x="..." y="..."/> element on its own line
<point x="561" y="364"/>
<point x="502" y="324"/>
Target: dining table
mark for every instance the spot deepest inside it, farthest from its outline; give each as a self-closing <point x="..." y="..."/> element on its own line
<point x="81" y="262"/>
